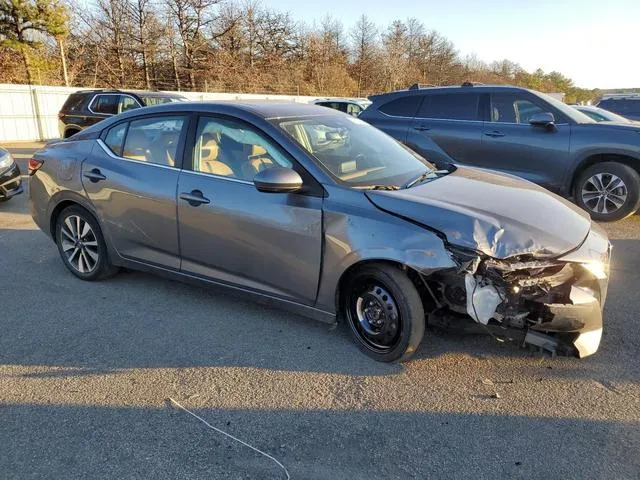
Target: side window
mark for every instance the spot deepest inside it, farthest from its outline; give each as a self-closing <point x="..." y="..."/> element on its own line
<point x="127" y="103"/>
<point x="106" y="104"/>
<point x="353" y="109"/>
<point x="402" y="107"/>
<point x="115" y="138"/>
<point x="154" y="140"/>
<point x="510" y="108"/>
<point x="450" y="106"/>
<point x="232" y="149"/>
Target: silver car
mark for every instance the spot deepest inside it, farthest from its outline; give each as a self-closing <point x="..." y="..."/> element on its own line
<point x="323" y="214"/>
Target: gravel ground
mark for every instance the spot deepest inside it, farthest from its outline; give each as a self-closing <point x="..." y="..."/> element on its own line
<point x="85" y="369"/>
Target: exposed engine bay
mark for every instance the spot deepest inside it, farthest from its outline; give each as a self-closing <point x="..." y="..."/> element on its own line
<point x="554" y="302"/>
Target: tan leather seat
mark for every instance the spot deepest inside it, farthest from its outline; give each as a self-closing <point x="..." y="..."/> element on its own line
<point x="257" y="161"/>
<point x="136" y="146"/>
<point x="209" y="162"/>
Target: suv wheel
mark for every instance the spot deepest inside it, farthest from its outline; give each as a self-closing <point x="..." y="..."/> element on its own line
<point x="609" y="191"/>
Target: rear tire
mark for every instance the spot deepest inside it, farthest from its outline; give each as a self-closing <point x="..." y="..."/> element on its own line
<point x="608" y="191"/>
<point x="81" y="244"/>
<point x="384" y="312"/>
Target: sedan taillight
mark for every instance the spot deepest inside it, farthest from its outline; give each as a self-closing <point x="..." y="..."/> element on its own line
<point x="34" y="165"/>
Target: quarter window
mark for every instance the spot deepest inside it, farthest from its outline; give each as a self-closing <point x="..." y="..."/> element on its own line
<point x="115" y="138"/>
<point x="154" y="140"/>
<point x="105" y="104"/>
<point x="457" y="106"/>
<point x="127" y="103"/>
<point x="232" y="149"/>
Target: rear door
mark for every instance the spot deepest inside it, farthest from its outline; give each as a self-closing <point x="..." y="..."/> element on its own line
<point x="131" y="179"/>
<point x="231" y="232"/>
<point x="511" y="144"/>
<point x="105" y="105"/>
<point x="448" y="125"/>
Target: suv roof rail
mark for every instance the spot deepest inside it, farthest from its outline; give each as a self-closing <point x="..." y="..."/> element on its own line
<point x="418" y="86"/>
<point x="105" y="90"/>
<point x="630" y="95"/>
<point x="471" y="84"/>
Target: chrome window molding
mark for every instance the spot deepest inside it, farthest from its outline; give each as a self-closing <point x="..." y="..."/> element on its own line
<point x="109" y="152"/>
<point x="220" y="177"/>
<point x="109" y="94"/>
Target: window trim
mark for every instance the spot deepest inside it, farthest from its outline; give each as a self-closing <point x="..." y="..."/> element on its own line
<point x="421" y="101"/>
<point x="89" y="107"/>
<point x="180" y="149"/>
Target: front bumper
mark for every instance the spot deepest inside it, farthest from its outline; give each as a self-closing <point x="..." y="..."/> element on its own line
<point x="10" y="182"/>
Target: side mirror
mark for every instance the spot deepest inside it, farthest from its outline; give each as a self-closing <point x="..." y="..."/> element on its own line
<point x="278" y="180"/>
<point x="542" y="119"/>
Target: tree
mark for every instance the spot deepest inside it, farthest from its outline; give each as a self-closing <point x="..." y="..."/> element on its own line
<point x="25" y="23"/>
<point x="364" y="36"/>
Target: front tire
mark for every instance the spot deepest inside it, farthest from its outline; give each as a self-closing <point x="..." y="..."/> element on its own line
<point x="609" y="191"/>
<point x="384" y="312"/>
<point x="81" y="244"/>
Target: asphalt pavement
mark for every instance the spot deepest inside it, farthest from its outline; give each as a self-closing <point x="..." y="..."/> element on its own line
<point x="86" y="369"/>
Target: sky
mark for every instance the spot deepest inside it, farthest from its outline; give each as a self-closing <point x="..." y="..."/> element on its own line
<point x="594" y="42"/>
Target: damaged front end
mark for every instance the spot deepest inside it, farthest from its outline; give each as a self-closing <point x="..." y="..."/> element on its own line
<point x="556" y="302"/>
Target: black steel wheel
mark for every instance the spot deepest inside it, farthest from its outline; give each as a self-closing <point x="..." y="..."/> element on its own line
<point x="384" y="312"/>
<point x="81" y="244"/>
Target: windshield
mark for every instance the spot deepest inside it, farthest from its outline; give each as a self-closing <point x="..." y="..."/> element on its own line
<point x="605" y="115"/>
<point x="150" y="101"/>
<point x="569" y="111"/>
<point x="354" y="152"/>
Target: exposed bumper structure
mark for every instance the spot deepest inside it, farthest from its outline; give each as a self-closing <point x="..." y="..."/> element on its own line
<point x="10" y="182"/>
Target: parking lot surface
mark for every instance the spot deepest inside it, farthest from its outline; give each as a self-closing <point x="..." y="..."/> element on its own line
<point x="85" y="369"/>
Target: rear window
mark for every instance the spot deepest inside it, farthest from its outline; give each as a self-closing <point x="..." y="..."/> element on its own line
<point x="74" y="102"/>
<point x="456" y="106"/>
<point x="402" y="107"/>
<point x="105" y="104"/>
<point x="622" y="106"/>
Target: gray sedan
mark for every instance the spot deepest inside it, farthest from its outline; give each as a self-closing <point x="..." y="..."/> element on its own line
<point x="321" y="213"/>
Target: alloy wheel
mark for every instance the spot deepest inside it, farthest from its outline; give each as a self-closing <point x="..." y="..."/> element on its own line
<point x="79" y="244"/>
<point x="604" y="193"/>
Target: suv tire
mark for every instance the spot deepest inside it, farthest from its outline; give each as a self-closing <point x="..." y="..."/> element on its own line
<point x="608" y="191"/>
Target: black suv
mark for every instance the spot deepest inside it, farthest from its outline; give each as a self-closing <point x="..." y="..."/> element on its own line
<point x="522" y="132"/>
<point x="86" y="107"/>
<point x="626" y="105"/>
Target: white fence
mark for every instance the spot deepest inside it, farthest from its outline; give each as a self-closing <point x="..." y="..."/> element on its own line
<point x="30" y="113"/>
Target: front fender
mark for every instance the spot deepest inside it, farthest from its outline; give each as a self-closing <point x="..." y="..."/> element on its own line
<point x="356" y="231"/>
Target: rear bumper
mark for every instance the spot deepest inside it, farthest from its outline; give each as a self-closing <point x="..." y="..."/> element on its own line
<point x="10" y="182"/>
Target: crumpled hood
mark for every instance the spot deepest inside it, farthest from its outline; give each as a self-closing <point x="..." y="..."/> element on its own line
<point x="496" y="214"/>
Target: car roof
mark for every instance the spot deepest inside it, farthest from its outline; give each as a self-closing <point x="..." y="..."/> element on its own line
<point x="145" y="93"/>
<point x="450" y="89"/>
<point x="263" y="109"/>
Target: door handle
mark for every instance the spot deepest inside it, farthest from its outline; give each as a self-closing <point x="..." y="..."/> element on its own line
<point x="421" y="128"/>
<point x="494" y="134"/>
<point x="95" y="175"/>
<point x="194" y="198"/>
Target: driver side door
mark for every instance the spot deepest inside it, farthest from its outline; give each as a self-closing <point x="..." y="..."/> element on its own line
<point x="232" y="233"/>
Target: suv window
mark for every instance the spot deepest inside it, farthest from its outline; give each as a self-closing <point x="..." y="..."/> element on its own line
<point x="450" y="106"/>
<point x="105" y="104"/>
<point x="73" y="103"/>
<point x="621" y="106"/>
<point x="233" y="149"/>
<point x="154" y="140"/>
<point x="127" y="103"/>
<point x="510" y="108"/>
<point x="402" y="107"/>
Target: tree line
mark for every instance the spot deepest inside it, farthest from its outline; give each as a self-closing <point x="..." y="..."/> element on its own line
<point x="240" y="46"/>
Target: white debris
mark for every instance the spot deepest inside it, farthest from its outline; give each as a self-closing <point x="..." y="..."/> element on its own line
<point x="481" y="301"/>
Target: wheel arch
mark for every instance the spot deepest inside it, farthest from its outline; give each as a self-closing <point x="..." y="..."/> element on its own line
<point x="64" y="200"/>
<point x="601" y="157"/>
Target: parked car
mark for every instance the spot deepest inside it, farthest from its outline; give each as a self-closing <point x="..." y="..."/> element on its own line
<point x="10" y="180"/>
<point x="347" y="105"/>
<point x="87" y="107"/>
<point x="601" y="115"/>
<point x="320" y="212"/>
<point x="521" y="132"/>
<point x="627" y="105"/>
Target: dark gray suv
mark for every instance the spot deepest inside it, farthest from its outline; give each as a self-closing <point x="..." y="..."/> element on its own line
<point x="522" y="132"/>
